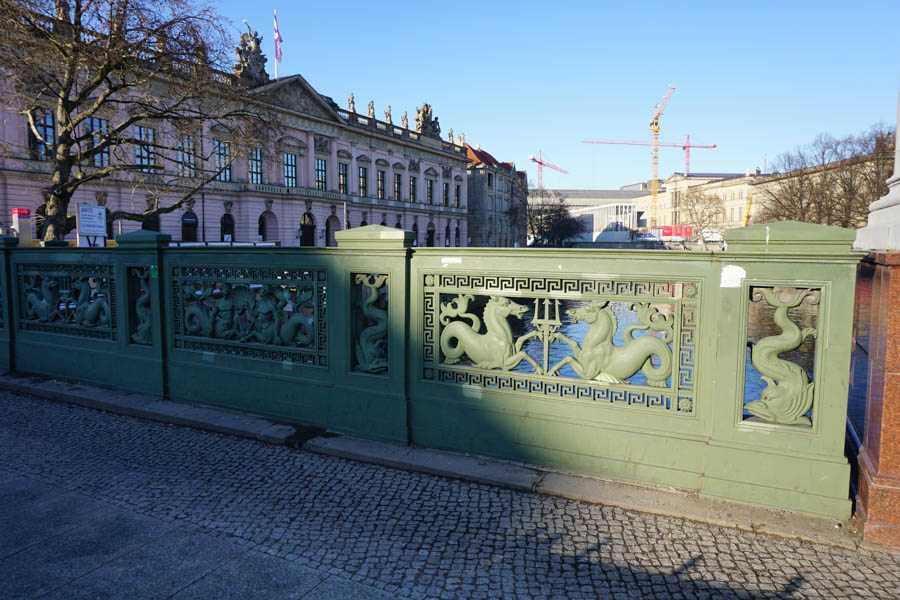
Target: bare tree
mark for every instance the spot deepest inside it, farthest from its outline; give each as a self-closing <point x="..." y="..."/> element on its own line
<point x="830" y="181"/>
<point x="122" y="89"/>
<point x="550" y="223"/>
<point x="704" y="212"/>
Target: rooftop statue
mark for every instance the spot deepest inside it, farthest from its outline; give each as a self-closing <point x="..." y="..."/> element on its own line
<point x="404" y="121"/>
<point x="351" y="104"/>
<point x="371" y="109"/>
<point x="425" y="123"/>
<point x="387" y="115"/>
<point x="250" y="69"/>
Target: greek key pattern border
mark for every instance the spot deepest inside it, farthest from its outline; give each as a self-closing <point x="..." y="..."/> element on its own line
<point x="637" y="288"/>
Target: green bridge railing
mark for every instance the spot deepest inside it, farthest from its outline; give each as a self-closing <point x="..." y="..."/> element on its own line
<point x="721" y="373"/>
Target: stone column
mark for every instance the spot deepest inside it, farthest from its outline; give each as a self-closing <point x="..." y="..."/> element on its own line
<point x="332" y="166"/>
<point x="877" y="337"/>
<point x="309" y="168"/>
<point x="353" y="175"/>
<point x="389" y="181"/>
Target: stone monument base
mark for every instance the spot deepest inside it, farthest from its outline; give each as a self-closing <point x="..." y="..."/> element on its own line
<point x="878" y="486"/>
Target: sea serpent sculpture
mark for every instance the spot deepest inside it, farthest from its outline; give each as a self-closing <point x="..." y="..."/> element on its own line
<point x="788" y="394"/>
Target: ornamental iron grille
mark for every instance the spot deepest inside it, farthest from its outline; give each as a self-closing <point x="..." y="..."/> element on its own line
<point x="779" y="380"/>
<point x="262" y="313"/>
<point x="370" y="323"/>
<point x="67" y="299"/>
<point x="623" y="342"/>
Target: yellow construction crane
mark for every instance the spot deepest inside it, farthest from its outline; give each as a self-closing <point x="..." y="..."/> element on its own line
<point x="654" y="153"/>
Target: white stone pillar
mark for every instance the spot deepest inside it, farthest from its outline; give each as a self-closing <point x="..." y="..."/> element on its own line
<point x="883" y="230"/>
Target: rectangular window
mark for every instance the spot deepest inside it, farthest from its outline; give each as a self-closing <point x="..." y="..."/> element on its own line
<point x="458" y="199"/>
<point x="45" y="123"/>
<point x="398" y="185"/>
<point x="413" y="191"/>
<point x="490" y="180"/>
<point x="290" y="169"/>
<point x="490" y="202"/>
<point x="145" y="150"/>
<point x="380" y="181"/>
<point x="446" y="194"/>
<point x="98" y="128"/>
<point x="429" y="191"/>
<point x="363" y="182"/>
<point x="186" y="155"/>
<point x="223" y="160"/>
<point x="321" y="177"/>
<point x="254" y="165"/>
<point x="343" y="170"/>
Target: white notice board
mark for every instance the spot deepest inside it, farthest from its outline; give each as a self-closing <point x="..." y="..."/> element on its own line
<point x="91" y="225"/>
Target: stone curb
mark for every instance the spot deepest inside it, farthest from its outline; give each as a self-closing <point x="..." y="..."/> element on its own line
<point x="479" y="469"/>
<point x="149" y="407"/>
<point x="656" y="500"/>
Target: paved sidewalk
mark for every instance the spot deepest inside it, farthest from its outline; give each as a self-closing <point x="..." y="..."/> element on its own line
<point x="100" y="505"/>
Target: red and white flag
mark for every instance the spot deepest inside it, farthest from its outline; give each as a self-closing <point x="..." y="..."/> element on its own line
<point x="277" y="38"/>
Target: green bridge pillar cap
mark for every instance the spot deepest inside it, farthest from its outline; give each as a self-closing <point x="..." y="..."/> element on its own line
<point x="792" y="237"/>
<point x="374" y="236"/>
<point x="143" y="239"/>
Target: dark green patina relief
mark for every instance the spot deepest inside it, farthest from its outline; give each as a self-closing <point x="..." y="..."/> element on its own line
<point x="67" y="299"/>
<point x="268" y="314"/>
<point x="370" y="323"/>
<point x="139" y="298"/>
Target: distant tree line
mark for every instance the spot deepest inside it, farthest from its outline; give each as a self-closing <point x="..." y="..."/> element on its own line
<point x="830" y="181"/>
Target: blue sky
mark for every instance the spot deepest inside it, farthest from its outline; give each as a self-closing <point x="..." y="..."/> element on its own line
<point x="757" y="79"/>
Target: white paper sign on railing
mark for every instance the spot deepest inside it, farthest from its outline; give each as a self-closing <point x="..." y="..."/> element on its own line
<point x="91" y="225"/>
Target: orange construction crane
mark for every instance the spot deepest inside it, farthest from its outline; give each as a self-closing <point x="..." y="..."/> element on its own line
<point x="541" y="163"/>
<point x="654" y="153"/>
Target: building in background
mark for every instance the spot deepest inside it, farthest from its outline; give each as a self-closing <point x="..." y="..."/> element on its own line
<point x="497" y="201"/>
<point x="318" y="170"/>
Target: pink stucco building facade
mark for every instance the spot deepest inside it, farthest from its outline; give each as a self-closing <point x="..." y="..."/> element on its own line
<point x="318" y="169"/>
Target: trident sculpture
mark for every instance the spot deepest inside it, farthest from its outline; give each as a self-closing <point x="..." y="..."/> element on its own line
<point x="545" y="327"/>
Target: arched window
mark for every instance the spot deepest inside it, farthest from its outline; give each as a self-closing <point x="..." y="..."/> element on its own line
<point x="226" y="228"/>
<point x="447" y="235"/>
<point x="384" y="221"/>
<point x="364" y="223"/>
<point x="268" y="227"/>
<point x="429" y="235"/>
<point x="399" y="225"/>
<point x="331" y="225"/>
<point x="457" y="236"/>
<point x="307" y="230"/>
<point x="189" y="226"/>
<point x="415" y="230"/>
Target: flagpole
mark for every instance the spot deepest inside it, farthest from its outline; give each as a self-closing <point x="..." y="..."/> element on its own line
<point x="277" y="39"/>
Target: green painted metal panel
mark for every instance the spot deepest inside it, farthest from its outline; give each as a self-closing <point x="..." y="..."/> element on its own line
<point x="721" y="373"/>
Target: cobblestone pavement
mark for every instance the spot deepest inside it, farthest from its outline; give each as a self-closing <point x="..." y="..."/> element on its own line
<point x="410" y="534"/>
